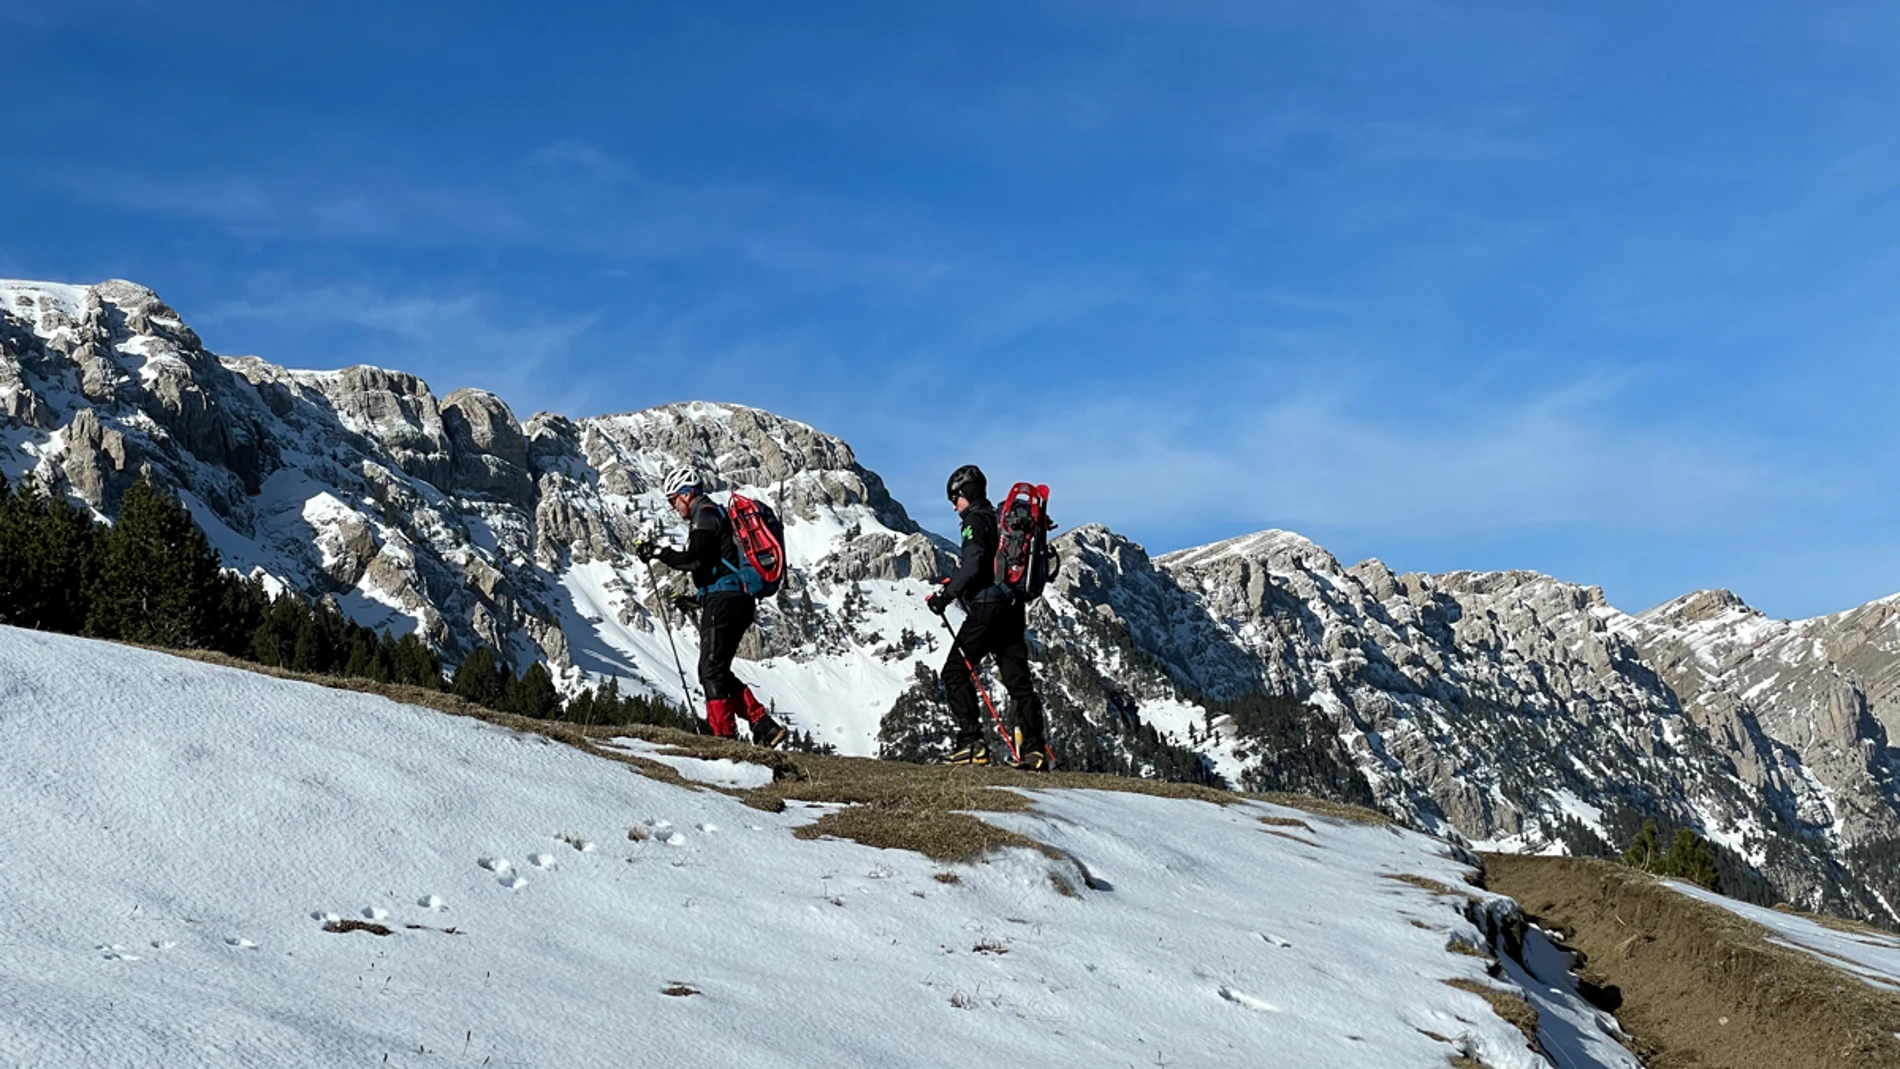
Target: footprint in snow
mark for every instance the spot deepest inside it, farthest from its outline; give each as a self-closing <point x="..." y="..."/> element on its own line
<point x="324" y="916"/>
<point x="663" y="831"/>
<point x="1241" y="998"/>
<point x="433" y="902"/>
<point x="240" y="943"/>
<point x="375" y="913"/>
<point x="542" y="861"/>
<point x="115" y="952"/>
<point x="709" y="829"/>
<point x="496" y="865"/>
<point x="512" y="882"/>
<point x="164" y="944"/>
<point x="1274" y="939"/>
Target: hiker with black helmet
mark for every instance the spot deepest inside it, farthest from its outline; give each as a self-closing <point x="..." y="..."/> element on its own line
<point x="994" y="624"/>
<point x="726" y="609"/>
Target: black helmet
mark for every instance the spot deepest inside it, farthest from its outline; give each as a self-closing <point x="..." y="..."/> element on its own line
<point x="968" y="481"/>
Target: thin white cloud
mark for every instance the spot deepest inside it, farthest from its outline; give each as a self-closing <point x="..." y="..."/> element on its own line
<point x="580" y="156"/>
<point x="1378" y="465"/>
<point x="449" y="341"/>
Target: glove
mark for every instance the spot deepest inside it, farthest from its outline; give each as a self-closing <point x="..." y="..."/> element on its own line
<point x="686" y="603"/>
<point x="646" y="551"/>
<point x="938" y="601"/>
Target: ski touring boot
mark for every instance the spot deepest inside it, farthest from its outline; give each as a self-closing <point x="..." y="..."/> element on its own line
<point x="970" y="753"/>
<point x="769" y="733"/>
<point x="1036" y="760"/>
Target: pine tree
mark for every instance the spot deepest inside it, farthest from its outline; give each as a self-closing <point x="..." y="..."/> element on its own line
<point x="1645" y="851"/>
<point x="159" y="580"/>
<point x="47" y="551"/>
<point x="416" y="664"/>
<point x="480" y="678"/>
<point x="1691" y="858"/>
<point x="533" y="694"/>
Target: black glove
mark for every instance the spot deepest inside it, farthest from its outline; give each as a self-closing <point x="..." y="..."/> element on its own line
<point x="646" y="551"/>
<point x="938" y="601"/>
<point x="686" y="603"/>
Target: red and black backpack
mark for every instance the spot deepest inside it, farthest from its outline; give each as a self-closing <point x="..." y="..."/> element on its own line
<point x="1024" y="561"/>
<point x="758" y="542"/>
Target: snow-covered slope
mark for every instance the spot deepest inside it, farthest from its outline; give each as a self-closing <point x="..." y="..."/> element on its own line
<point x="180" y="836"/>
<point x="1516" y="709"/>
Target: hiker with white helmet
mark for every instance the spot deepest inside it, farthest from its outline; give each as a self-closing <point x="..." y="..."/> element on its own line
<point x="728" y="583"/>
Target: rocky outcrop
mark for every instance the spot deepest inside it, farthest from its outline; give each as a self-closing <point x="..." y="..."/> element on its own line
<point x="491" y="454"/>
<point x="97" y="463"/>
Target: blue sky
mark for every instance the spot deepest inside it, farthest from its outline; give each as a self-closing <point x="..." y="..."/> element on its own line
<point x="1607" y="291"/>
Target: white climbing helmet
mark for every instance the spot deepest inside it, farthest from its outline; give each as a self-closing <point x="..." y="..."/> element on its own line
<point x="680" y="480"/>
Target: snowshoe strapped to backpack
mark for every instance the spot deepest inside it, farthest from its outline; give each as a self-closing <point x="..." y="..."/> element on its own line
<point x="1024" y="561"/>
<point x="760" y="539"/>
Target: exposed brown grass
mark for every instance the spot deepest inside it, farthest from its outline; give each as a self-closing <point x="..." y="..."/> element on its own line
<point x="678" y="990"/>
<point x="344" y="927"/>
<point x="1698" y="985"/>
<point x="1293" y="838"/>
<point x="1324" y="807"/>
<point x="1506" y="1004"/>
<point x="1429" y="884"/>
<point x="1285" y="822"/>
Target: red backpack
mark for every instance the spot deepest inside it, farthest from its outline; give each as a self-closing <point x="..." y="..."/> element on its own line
<point x="760" y="536"/>
<point x="1024" y="561"/>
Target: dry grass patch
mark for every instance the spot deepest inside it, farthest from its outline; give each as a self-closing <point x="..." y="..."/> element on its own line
<point x="939" y="836"/>
<point x="678" y="990"/>
<point x="1429" y="884"/>
<point x="1323" y="807"/>
<point x="1293" y="838"/>
<point x="1285" y="822"/>
<point x="1698" y="985"/>
<point x="343" y="927"/>
<point x="1506" y="1004"/>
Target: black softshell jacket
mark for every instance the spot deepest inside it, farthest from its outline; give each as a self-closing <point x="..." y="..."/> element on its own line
<point x="976" y="571"/>
<point x="708" y="542"/>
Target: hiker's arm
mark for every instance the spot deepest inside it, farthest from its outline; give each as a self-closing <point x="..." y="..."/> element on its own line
<point x="969" y="567"/>
<point x="702" y="544"/>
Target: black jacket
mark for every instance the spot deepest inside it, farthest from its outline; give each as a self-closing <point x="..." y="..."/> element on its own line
<point x="976" y="570"/>
<point x="708" y="542"/>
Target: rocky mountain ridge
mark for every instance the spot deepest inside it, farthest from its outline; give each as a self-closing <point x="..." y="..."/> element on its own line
<point x="1524" y="712"/>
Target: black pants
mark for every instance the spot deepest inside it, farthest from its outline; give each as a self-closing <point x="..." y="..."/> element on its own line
<point x="723" y="619"/>
<point x="995" y="629"/>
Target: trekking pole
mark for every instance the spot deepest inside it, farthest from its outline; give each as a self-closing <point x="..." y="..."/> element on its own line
<point x="666" y="621"/>
<point x="995" y="717"/>
<point x="686" y="692"/>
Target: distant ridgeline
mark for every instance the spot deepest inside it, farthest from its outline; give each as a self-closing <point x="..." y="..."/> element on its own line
<point x="152" y="578"/>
